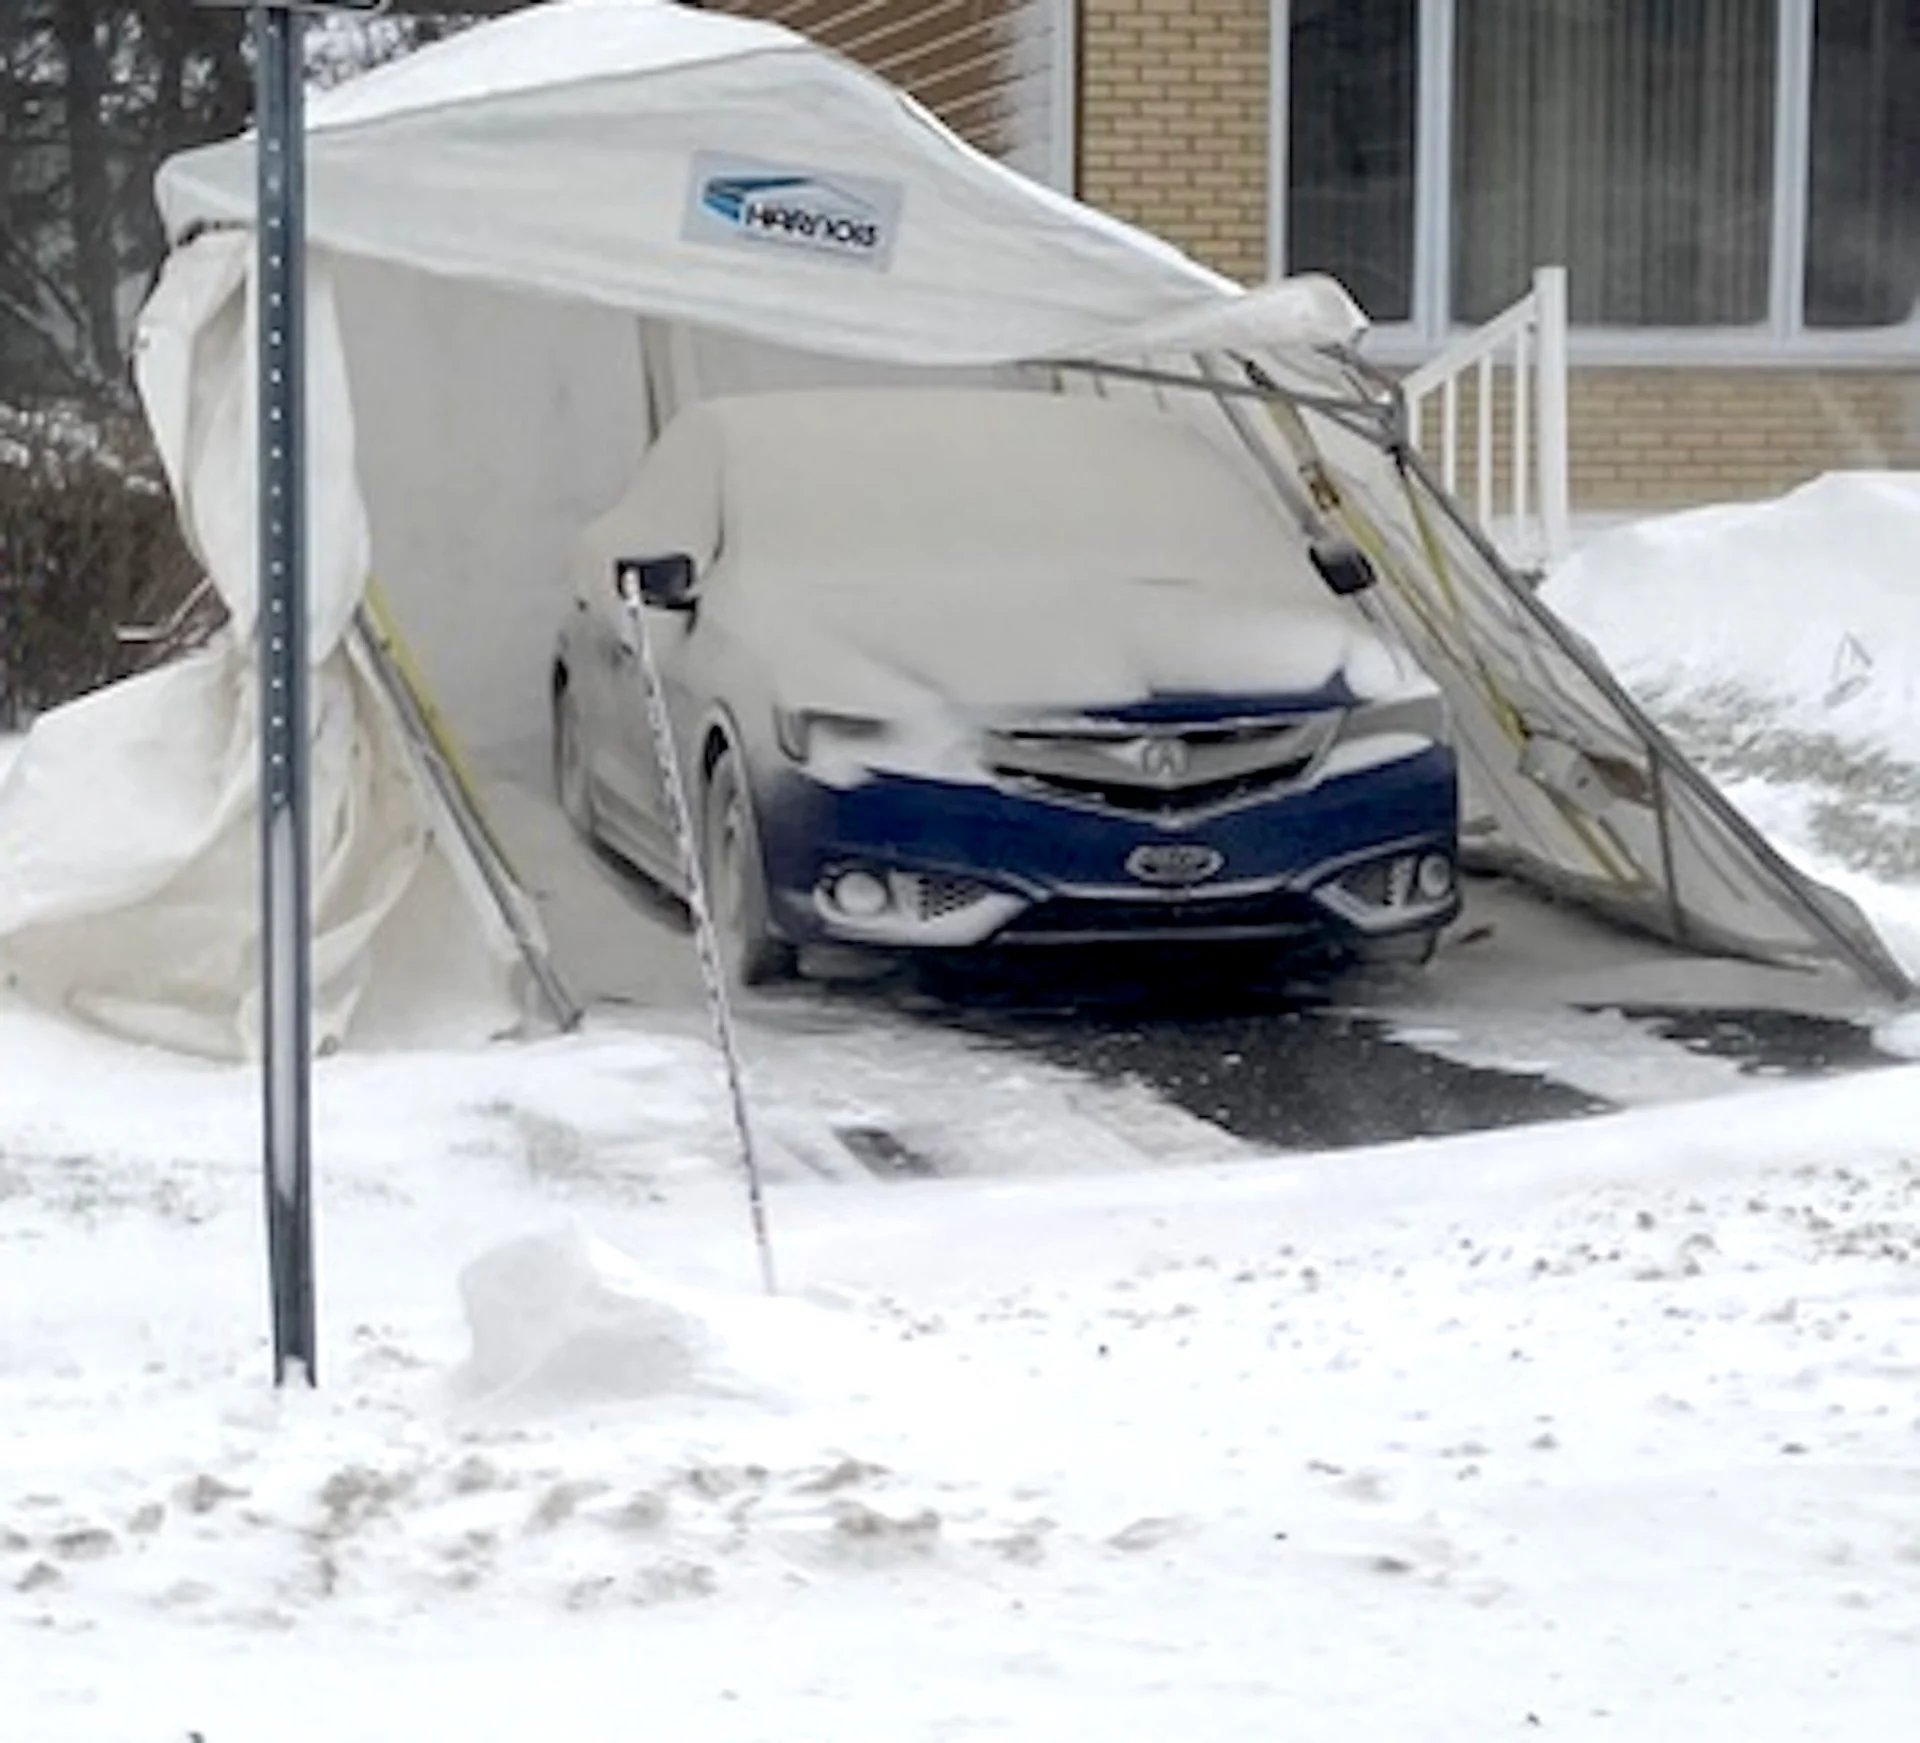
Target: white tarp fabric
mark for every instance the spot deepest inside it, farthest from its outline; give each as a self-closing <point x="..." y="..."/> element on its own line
<point x="609" y="150"/>
<point x="128" y="868"/>
<point x="127" y="827"/>
<point x="195" y="368"/>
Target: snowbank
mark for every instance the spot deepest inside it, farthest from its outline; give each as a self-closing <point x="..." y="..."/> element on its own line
<point x="1780" y="644"/>
<point x="1805" y="606"/>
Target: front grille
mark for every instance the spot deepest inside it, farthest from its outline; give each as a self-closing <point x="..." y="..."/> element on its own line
<point x="1279" y="914"/>
<point x="1156" y="802"/>
<point x="1162" y="770"/>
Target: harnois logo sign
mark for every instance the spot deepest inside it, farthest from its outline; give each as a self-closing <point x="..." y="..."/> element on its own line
<point x="747" y="203"/>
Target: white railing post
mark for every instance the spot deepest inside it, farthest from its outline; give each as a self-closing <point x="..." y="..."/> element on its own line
<point x="1527" y="344"/>
<point x="1556" y="510"/>
<point x="1483" y="449"/>
<point x="1521" y="483"/>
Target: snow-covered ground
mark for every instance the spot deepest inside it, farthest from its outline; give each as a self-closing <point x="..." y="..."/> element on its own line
<point x="1605" y="1429"/>
<point x="1610" y="1429"/>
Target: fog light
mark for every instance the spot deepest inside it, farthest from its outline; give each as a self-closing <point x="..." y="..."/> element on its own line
<point x="859" y="895"/>
<point x="1435" y="879"/>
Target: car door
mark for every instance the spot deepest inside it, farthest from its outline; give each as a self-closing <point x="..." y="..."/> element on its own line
<point x="603" y="682"/>
<point x="640" y="759"/>
<point x="672" y="507"/>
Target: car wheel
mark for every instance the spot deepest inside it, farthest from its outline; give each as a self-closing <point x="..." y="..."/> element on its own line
<point x="750" y="954"/>
<point x="572" y="784"/>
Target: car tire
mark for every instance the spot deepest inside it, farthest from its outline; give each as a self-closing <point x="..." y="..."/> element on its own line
<point x="572" y="779"/>
<point x="750" y="954"/>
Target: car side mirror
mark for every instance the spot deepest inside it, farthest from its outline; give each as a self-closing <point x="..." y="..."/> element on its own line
<point x="663" y="583"/>
<point x="1344" y="569"/>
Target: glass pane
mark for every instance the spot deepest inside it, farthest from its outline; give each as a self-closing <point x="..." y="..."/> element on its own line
<point x="1631" y="143"/>
<point x="1863" y="188"/>
<point x="1350" y="98"/>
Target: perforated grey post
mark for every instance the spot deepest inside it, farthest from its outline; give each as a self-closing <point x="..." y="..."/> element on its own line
<point x="285" y="951"/>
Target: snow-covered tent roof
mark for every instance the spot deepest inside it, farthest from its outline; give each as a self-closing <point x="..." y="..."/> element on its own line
<point x="589" y="149"/>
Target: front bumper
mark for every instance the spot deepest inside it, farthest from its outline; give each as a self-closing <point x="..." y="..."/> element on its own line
<point x="950" y="865"/>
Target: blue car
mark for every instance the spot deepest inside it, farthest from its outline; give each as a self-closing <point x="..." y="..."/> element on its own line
<point x="950" y="668"/>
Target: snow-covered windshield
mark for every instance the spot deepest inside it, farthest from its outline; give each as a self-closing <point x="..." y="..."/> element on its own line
<point x="887" y="487"/>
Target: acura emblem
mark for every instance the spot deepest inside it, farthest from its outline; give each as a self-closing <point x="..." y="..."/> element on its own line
<point x="1165" y="759"/>
<point x="1171" y="863"/>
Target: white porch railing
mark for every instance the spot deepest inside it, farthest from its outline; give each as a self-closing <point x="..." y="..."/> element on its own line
<point x="1517" y="361"/>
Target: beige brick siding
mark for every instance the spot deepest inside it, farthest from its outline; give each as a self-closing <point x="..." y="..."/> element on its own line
<point x="1173" y="123"/>
<point x="1669" y="437"/>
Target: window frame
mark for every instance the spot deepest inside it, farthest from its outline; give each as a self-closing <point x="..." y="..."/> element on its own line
<point x="1783" y="338"/>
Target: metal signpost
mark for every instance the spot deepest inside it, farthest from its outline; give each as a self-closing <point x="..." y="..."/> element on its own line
<point x="285" y="725"/>
<point x="285" y="941"/>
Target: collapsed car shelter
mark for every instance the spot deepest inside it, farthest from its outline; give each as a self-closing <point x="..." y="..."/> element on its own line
<point x="529" y="244"/>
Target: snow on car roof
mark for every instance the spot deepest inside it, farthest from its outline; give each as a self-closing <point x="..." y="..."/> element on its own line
<point x="1038" y="483"/>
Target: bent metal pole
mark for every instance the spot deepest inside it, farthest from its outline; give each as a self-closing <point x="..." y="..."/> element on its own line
<point x="634" y="638"/>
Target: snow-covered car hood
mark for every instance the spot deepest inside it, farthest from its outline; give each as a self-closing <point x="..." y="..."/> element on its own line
<point x="992" y="646"/>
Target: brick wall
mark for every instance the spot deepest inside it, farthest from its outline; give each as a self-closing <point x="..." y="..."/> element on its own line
<point x="1173" y="123"/>
<point x="1661" y="438"/>
<point x="1668" y="437"/>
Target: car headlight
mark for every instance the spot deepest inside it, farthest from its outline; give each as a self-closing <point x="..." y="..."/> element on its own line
<point x="805" y="732"/>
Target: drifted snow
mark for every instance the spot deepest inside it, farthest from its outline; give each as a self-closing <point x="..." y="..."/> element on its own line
<point x="564" y="1317"/>
<point x="1779" y="643"/>
<point x="1804" y="606"/>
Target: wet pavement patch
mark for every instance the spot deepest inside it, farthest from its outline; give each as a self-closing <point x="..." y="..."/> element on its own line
<point x="1767" y="1043"/>
<point x="1278" y="1055"/>
<point x="1259" y="1049"/>
<point x="1301" y="1079"/>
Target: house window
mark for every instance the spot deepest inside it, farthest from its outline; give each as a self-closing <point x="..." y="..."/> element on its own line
<point x="1634" y="144"/>
<point x="1700" y="166"/>
<point x="1350" y="143"/>
<point x="1863" y="187"/>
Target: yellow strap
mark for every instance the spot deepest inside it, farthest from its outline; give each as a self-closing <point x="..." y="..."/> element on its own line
<point x="407" y="669"/>
<point x="1608" y="853"/>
